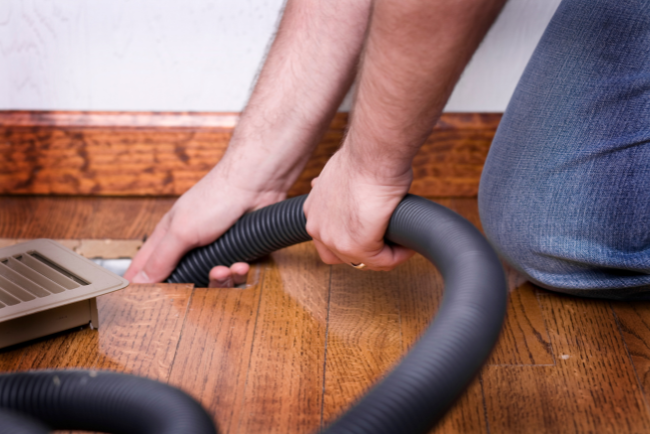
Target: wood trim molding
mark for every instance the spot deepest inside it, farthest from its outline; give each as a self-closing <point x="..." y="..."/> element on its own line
<point x="163" y="153"/>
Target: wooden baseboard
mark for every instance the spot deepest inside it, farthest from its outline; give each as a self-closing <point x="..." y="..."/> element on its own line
<point x="136" y="154"/>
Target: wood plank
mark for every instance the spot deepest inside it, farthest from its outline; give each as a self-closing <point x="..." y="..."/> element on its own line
<point x="140" y="327"/>
<point x="126" y="217"/>
<point x="524" y="338"/>
<point x="634" y="322"/>
<point x="214" y="351"/>
<point x="16" y="212"/>
<point x="103" y="153"/>
<point x="364" y="338"/>
<point x="284" y="385"/>
<point x="592" y="387"/>
<point x="52" y="215"/>
<point x="75" y="217"/>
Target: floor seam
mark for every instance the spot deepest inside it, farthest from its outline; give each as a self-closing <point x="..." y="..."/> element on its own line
<point x="485" y="412"/>
<point x="629" y="356"/>
<point x="548" y="334"/>
<point x="250" y="354"/>
<point x="180" y="336"/>
<point x="327" y="329"/>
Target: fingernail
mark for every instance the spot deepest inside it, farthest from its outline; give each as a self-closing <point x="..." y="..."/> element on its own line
<point x="141" y="277"/>
<point x="225" y="283"/>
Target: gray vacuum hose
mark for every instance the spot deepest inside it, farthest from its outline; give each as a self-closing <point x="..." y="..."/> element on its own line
<point x="96" y="401"/>
<point x="417" y="393"/>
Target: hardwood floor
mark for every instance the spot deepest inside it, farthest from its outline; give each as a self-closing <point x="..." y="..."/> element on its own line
<point x="295" y="348"/>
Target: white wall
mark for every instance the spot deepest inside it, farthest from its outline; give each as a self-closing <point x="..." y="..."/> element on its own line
<point x="196" y="55"/>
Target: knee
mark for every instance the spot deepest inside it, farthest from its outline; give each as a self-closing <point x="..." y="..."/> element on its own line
<point x="547" y="242"/>
<point x="516" y="235"/>
<point x="532" y="234"/>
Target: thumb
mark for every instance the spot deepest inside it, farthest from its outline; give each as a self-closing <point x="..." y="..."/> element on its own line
<point x="162" y="260"/>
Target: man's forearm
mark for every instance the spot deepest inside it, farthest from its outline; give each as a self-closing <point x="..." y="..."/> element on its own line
<point x="309" y="68"/>
<point x="414" y="55"/>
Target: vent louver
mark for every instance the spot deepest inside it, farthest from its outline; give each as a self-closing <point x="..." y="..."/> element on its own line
<point x="46" y="288"/>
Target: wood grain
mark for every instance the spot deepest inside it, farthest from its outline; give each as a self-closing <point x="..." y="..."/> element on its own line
<point x="284" y="385"/>
<point x="75" y="218"/>
<point x="214" y="353"/>
<point x="104" y="153"/>
<point x="364" y="338"/>
<point x="141" y="326"/>
<point x="524" y="339"/>
<point x="592" y="387"/>
<point x="634" y="322"/>
<point x="16" y="212"/>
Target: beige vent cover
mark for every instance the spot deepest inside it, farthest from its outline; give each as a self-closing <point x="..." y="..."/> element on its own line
<point x="46" y="288"/>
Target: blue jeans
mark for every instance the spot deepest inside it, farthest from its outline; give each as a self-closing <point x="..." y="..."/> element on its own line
<point x="565" y="192"/>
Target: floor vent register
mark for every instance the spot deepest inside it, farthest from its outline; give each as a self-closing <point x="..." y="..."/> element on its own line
<point x="46" y="288"/>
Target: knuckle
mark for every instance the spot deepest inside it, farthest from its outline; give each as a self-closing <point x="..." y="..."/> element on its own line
<point x="381" y="263"/>
<point x="164" y="224"/>
<point x="183" y="235"/>
<point x="329" y="260"/>
<point x="346" y="248"/>
<point x="312" y="230"/>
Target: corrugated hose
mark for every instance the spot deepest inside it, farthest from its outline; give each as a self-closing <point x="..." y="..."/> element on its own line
<point x="410" y="399"/>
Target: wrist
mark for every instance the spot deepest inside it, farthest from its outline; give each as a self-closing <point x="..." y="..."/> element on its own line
<point x="377" y="163"/>
<point x="242" y="192"/>
<point x="254" y="168"/>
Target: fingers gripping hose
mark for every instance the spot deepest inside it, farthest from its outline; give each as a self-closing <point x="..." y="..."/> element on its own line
<point x="254" y="235"/>
<point x="411" y="399"/>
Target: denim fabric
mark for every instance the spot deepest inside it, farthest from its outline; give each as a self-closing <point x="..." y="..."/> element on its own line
<point x="565" y="192"/>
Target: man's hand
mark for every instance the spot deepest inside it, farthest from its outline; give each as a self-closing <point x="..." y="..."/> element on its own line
<point x="308" y="70"/>
<point x="199" y="217"/>
<point x="413" y="55"/>
<point x="348" y="212"/>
